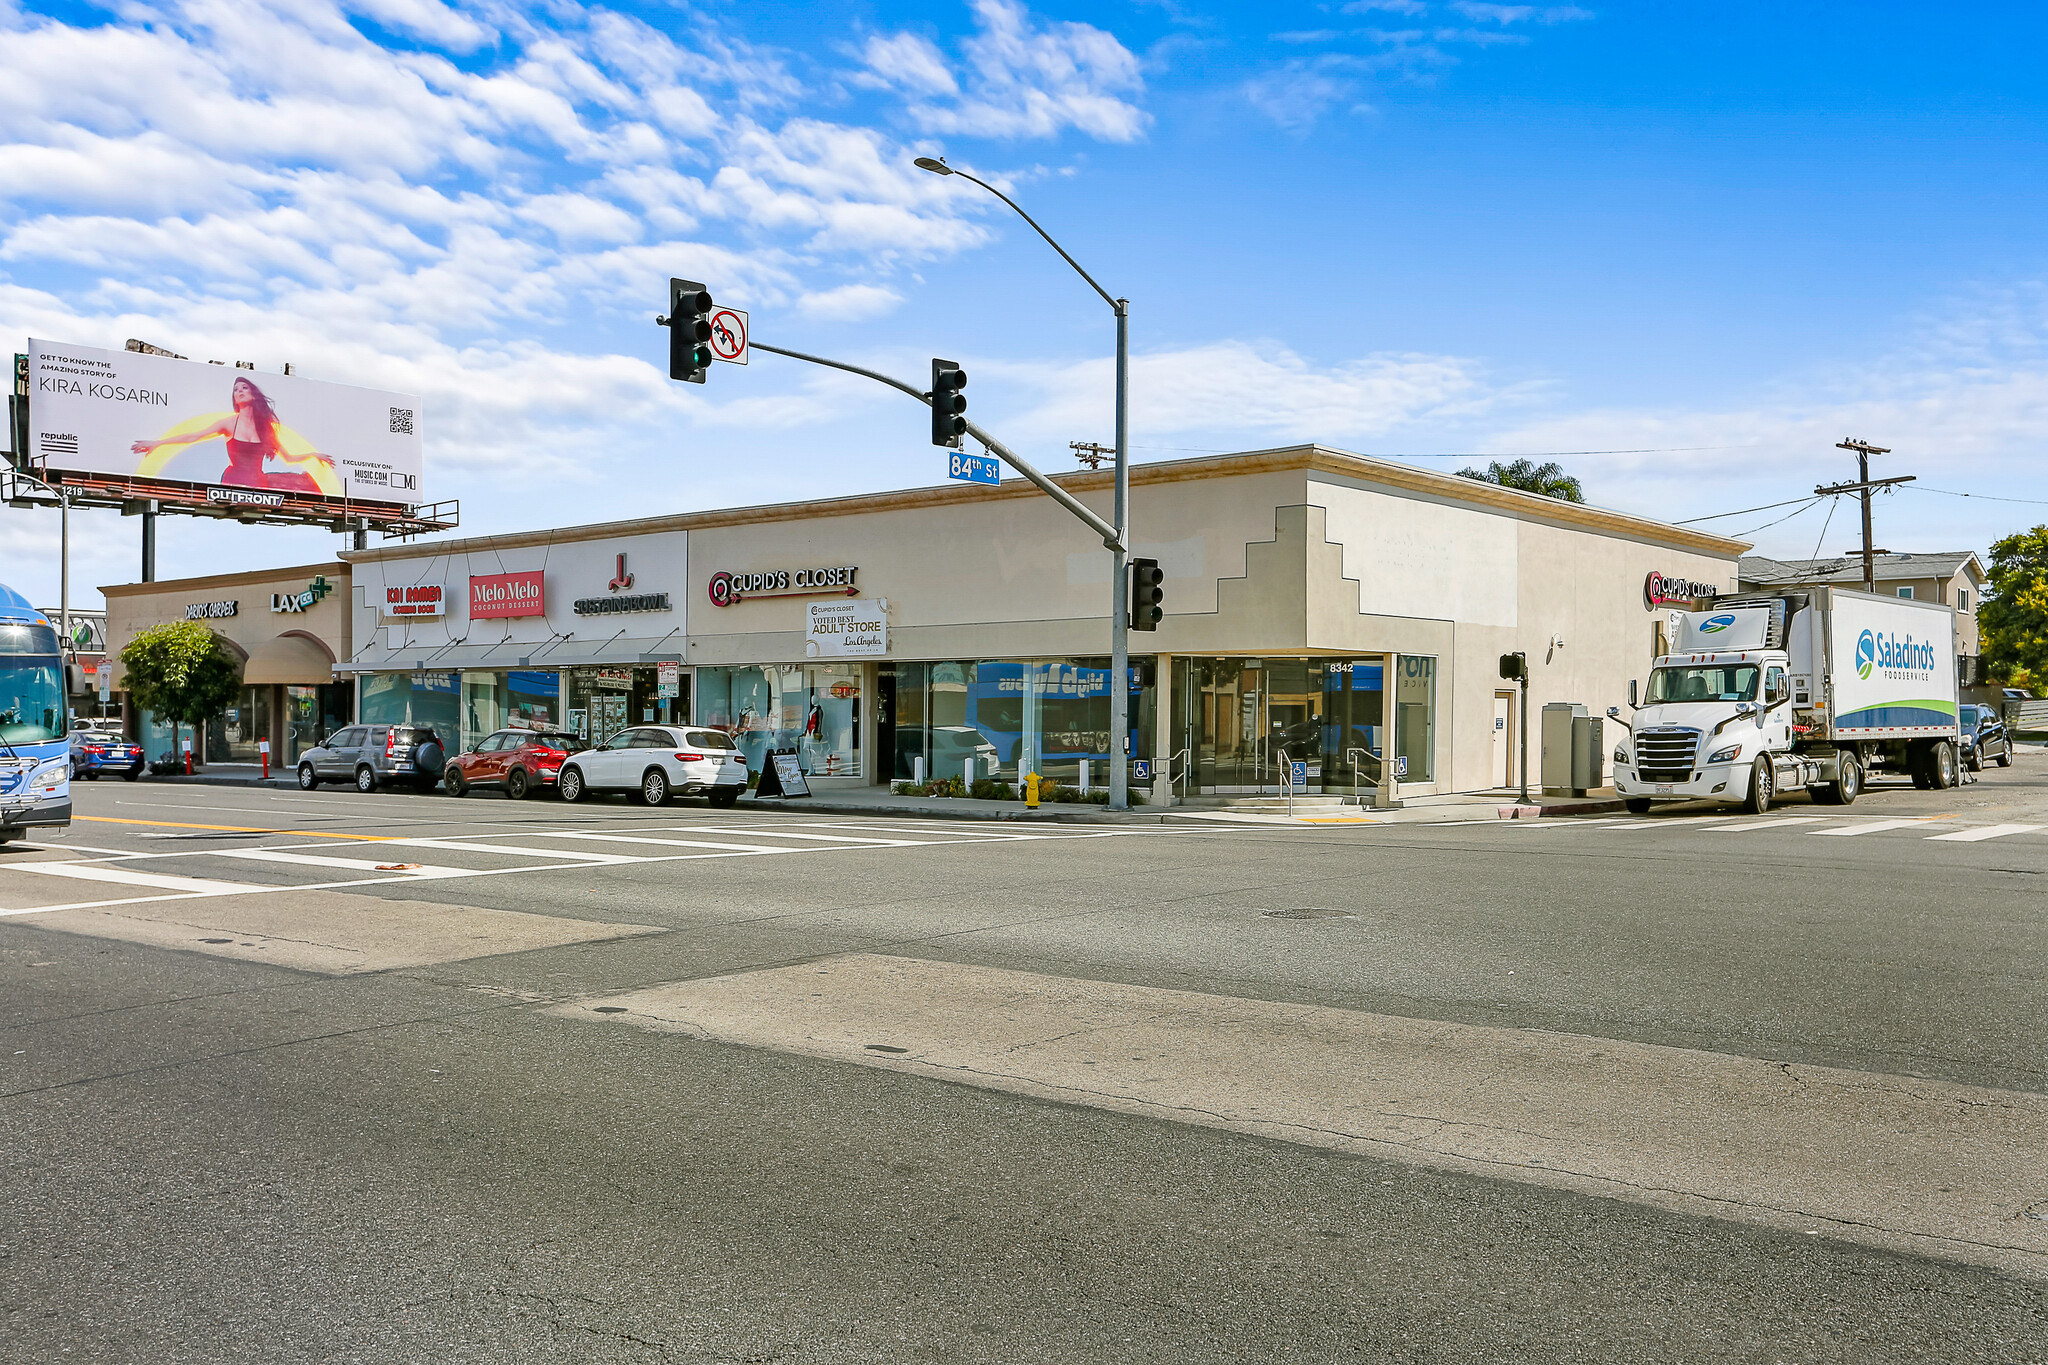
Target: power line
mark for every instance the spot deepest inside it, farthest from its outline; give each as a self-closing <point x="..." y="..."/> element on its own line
<point x="1810" y="504"/>
<point x="1986" y="497"/>
<point x="1824" y="528"/>
<point x="1739" y="511"/>
<point x="1475" y="454"/>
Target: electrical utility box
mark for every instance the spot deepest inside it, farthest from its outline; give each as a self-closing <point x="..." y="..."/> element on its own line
<point x="1589" y="752"/>
<point x="1560" y="725"/>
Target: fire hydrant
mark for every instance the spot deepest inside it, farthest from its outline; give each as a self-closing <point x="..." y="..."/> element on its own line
<point x="1031" y="791"/>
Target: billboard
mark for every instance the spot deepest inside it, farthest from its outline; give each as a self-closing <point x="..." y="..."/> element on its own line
<point x="208" y="433"/>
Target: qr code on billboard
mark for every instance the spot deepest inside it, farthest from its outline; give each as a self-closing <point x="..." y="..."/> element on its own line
<point x="401" y="421"/>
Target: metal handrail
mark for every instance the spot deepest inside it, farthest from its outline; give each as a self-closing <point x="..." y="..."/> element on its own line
<point x="1348" y="758"/>
<point x="1171" y="759"/>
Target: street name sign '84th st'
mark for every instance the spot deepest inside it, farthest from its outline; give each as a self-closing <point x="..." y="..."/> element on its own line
<point x="974" y="468"/>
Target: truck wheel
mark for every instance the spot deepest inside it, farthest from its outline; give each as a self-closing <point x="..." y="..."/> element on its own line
<point x="1762" y="786"/>
<point x="1848" y="783"/>
<point x="1942" y="768"/>
<point x="1637" y="805"/>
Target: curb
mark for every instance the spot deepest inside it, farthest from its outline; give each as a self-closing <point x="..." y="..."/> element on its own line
<point x="1535" y="812"/>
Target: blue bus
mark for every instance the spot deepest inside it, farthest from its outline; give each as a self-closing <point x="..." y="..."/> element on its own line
<point x="35" y="736"/>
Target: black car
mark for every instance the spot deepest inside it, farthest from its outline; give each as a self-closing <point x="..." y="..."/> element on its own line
<point x="1985" y="739"/>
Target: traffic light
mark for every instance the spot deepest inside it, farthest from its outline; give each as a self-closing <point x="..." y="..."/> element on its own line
<point x="689" y="328"/>
<point x="1514" y="667"/>
<point x="949" y="405"/>
<point x="1148" y="591"/>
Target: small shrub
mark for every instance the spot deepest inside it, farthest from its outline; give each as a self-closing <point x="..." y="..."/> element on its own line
<point x="946" y="786"/>
<point x="907" y="789"/>
<point x="993" y="789"/>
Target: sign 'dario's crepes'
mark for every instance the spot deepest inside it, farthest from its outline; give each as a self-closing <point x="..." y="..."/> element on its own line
<point x="507" y="594"/>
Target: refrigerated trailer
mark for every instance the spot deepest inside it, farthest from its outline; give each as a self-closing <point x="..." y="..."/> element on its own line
<point x="1764" y="693"/>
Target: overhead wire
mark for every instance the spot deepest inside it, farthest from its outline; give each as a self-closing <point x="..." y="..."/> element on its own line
<point x="1690" y="521"/>
<point x="1810" y="504"/>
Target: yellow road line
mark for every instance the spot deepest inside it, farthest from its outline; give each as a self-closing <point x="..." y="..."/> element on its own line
<point x="242" y="829"/>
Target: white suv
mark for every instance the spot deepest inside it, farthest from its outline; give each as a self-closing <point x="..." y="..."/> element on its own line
<point x="658" y="762"/>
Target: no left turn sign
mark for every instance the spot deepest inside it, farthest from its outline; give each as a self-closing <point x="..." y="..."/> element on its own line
<point x="729" y="335"/>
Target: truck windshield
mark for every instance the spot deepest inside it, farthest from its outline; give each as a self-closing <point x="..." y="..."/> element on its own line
<point x="31" y="685"/>
<point x="1707" y="682"/>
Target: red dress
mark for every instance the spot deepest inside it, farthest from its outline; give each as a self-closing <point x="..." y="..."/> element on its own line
<point x="245" y="470"/>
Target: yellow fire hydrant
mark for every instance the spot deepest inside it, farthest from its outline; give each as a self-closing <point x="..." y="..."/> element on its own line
<point x="1031" y="791"/>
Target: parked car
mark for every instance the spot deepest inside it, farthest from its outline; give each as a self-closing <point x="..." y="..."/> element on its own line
<point x="522" y="762"/>
<point x="369" y="755"/>
<point x="98" y="746"/>
<point x="657" y="762"/>
<point x="1985" y="738"/>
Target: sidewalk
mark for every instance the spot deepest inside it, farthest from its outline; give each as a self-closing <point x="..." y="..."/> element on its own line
<point x="881" y="801"/>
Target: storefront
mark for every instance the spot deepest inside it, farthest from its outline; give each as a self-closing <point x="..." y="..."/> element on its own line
<point x="287" y="627"/>
<point x="1321" y="608"/>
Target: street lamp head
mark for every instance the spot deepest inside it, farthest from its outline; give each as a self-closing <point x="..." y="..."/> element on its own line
<point x="932" y="164"/>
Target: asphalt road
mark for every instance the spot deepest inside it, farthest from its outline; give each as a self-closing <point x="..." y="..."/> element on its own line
<point x="354" y="1117"/>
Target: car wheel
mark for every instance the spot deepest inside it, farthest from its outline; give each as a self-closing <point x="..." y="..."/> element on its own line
<point x="366" y="778"/>
<point x="1975" y="762"/>
<point x="1762" y="787"/>
<point x="516" y="785"/>
<point x="654" y="788"/>
<point x="2005" y="759"/>
<point x="452" y="780"/>
<point x="308" y="779"/>
<point x="131" y="775"/>
<point x="1634" y="805"/>
<point x="92" y="777"/>
<point x="570" y="784"/>
<point x="1942" y="767"/>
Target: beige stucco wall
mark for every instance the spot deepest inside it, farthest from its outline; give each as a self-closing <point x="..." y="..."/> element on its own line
<point x="135" y="607"/>
<point x="1297" y="552"/>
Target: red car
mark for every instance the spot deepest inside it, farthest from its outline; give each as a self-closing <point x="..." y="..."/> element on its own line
<point x="520" y="761"/>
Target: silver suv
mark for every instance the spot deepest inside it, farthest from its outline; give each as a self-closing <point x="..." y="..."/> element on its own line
<point x="371" y="755"/>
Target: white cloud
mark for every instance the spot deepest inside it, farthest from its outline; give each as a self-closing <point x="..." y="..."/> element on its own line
<point x="1021" y="79"/>
<point x="849" y="303"/>
<point x="1518" y="14"/>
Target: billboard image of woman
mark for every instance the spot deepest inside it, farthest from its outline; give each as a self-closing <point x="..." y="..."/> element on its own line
<point x="255" y="439"/>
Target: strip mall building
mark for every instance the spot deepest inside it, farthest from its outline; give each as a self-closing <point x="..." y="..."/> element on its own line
<point x="1326" y="606"/>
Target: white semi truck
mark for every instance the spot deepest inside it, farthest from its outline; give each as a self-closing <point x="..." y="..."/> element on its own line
<point x="1763" y="694"/>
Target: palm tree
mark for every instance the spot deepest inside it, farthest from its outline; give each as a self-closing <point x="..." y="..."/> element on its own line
<point x="1549" y="479"/>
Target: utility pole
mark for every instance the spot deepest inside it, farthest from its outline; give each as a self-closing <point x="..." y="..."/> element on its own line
<point x="1863" y="486"/>
<point x="1091" y="453"/>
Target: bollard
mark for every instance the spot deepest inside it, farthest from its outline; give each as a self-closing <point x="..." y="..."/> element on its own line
<point x="263" y="748"/>
<point x="1084" y="777"/>
<point x="188" y="758"/>
<point x="1031" y="791"/>
<point x="917" y="769"/>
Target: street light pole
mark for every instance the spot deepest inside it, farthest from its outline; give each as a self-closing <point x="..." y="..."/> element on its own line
<point x="1120" y="619"/>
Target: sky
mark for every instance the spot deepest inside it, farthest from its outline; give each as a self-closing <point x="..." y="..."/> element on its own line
<point x="1682" y="250"/>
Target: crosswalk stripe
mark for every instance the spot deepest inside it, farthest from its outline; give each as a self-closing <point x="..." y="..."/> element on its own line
<point x="671" y="843"/>
<point x="792" y="834"/>
<point x="272" y="855"/>
<point x="1869" y="827"/>
<point x="1775" y="822"/>
<point x="463" y="846"/>
<point x="1971" y="836"/>
<point x="159" y="881"/>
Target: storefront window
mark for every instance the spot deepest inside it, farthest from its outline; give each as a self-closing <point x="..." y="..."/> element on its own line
<point x="432" y="699"/>
<point x="1238" y="722"/>
<point x="516" y="699"/>
<point x="232" y="736"/>
<point x="811" y="710"/>
<point x="1009" y="717"/>
<point x="1415" y="718"/>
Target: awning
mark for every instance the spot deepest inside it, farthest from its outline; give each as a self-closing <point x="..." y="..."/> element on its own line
<point x="520" y="654"/>
<point x="289" y="659"/>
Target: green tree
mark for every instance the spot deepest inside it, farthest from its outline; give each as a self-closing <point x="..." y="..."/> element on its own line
<point x="1548" y="479"/>
<point x="2013" y="617"/>
<point x="182" y="672"/>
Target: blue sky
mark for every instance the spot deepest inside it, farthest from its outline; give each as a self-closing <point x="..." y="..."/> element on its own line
<point x="1722" y="237"/>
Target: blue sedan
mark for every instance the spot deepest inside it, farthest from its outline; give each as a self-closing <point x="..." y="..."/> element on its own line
<point x="95" y="751"/>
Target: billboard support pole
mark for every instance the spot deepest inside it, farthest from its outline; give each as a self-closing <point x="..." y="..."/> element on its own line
<point x="149" y="547"/>
<point x="64" y="578"/>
